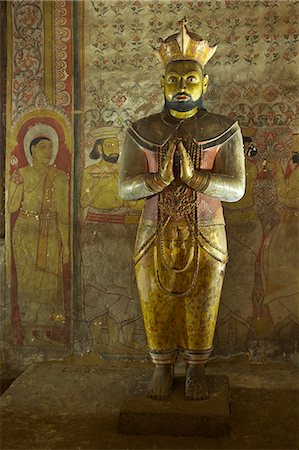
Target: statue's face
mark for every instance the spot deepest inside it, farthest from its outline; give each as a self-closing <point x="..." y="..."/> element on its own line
<point x="184" y="85"/>
<point x="42" y="151"/>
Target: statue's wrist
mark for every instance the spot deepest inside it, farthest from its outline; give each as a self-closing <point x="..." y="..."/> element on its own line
<point x="155" y="182"/>
<point x="199" y="181"/>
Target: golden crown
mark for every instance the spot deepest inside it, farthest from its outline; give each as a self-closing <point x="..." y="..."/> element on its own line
<point x="185" y="46"/>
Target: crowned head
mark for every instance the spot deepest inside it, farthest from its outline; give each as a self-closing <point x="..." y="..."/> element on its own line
<point x="184" y="56"/>
<point x="185" y="45"/>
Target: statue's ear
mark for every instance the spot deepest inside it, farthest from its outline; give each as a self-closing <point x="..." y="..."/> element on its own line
<point x="205" y="83"/>
<point x="162" y="82"/>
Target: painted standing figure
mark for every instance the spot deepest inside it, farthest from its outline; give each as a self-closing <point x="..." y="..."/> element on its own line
<point x="40" y="238"/>
<point x="184" y="161"/>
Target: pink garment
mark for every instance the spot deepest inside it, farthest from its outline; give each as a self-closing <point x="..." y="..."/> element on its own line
<point x="209" y="209"/>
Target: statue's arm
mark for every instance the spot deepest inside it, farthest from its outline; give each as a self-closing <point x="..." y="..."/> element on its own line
<point x="135" y="181"/>
<point x="226" y="181"/>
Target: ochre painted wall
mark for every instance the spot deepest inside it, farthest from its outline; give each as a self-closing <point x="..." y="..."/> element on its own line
<point x="116" y="79"/>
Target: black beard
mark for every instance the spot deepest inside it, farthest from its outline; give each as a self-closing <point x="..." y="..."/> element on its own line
<point x="110" y="158"/>
<point x="183" y="106"/>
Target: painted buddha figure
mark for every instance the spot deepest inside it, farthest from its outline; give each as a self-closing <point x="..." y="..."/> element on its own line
<point x="40" y="238"/>
<point x="184" y="161"/>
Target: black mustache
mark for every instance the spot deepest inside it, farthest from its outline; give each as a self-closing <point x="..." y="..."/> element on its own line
<point x="187" y="105"/>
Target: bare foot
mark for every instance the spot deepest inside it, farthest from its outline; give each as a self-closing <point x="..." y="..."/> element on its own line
<point x="196" y="385"/>
<point x="161" y="382"/>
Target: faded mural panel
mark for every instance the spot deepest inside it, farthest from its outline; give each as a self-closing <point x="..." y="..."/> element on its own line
<point x="258" y="42"/>
<point x="119" y="78"/>
<point x="39" y="174"/>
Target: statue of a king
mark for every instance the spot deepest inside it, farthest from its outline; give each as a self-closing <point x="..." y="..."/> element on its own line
<point x="184" y="161"/>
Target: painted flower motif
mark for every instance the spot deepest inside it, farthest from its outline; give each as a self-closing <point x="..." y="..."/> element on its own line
<point x="100" y="7"/>
<point x="292" y="17"/>
<point x="175" y="6"/>
<point x="28" y="17"/>
<point x="251" y="21"/>
<point x="195" y="5"/>
<point x="270" y="93"/>
<point x="213" y="39"/>
<point x="136" y="43"/>
<point x="271" y="18"/>
<point x="137" y="26"/>
<point x="291" y="92"/>
<point x="252" y="37"/>
<point x="214" y="24"/>
<point x="118" y="7"/>
<point x="15" y="84"/>
<point x="231" y="39"/>
<point x="26" y="96"/>
<point x="216" y="59"/>
<point x="136" y="7"/>
<point x="233" y="94"/>
<point x="119" y="26"/>
<point x="233" y="21"/>
<point x="233" y="57"/>
<point x="251" y="57"/>
<point x="270" y="142"/>
<point x="155" y="7"/>
<point x="119" y="99"/>
<point x="251" y="93"/>
<point x="232" y="4"/>
<point x="156" y="98"/>
<point x="101" y="43"/>
<point x="100" y="99"/>
<point x="118" y="45"/>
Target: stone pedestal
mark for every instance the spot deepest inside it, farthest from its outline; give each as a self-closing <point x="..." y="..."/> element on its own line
<point x="176" y="416"/>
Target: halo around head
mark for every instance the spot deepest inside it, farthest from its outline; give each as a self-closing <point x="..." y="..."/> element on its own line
<point x="44" y="131"/>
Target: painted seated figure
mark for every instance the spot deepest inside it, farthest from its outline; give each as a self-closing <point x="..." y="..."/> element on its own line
<point x="184" y="161"/>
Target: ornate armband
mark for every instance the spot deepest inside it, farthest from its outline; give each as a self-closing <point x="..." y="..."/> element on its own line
<point x="200" y="181"/>
<point x="155" y="183"/>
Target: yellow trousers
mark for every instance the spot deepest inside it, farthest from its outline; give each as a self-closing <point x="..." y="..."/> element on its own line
<point x="180" y="307"/>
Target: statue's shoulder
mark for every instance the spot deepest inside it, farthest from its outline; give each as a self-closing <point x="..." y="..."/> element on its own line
<point x="143" y="123"/>
<point x="212" y="125"/>
<point x="223" y="122"/>
<point x="151" y="131"/>
<point x="208" y="127"/>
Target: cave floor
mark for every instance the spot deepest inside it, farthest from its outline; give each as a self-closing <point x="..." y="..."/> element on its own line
<point x="74" y="404"/>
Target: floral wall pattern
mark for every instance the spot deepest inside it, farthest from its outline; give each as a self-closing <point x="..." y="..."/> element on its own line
<point x="253" y="78"/>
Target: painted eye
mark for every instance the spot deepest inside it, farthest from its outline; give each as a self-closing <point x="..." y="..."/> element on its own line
<point x="192" y="79"/>
<point x="171" y="80"/>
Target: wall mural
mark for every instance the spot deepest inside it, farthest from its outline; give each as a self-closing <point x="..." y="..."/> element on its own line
<point x="120" y="79"/>
<point x="39" y="204"/>
<point x="40" y="167"/>
<point x="259" y="42"/>
<point x="106" y="241"/>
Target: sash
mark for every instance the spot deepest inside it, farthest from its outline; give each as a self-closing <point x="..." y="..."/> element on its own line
<point x="44" y="225"/>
